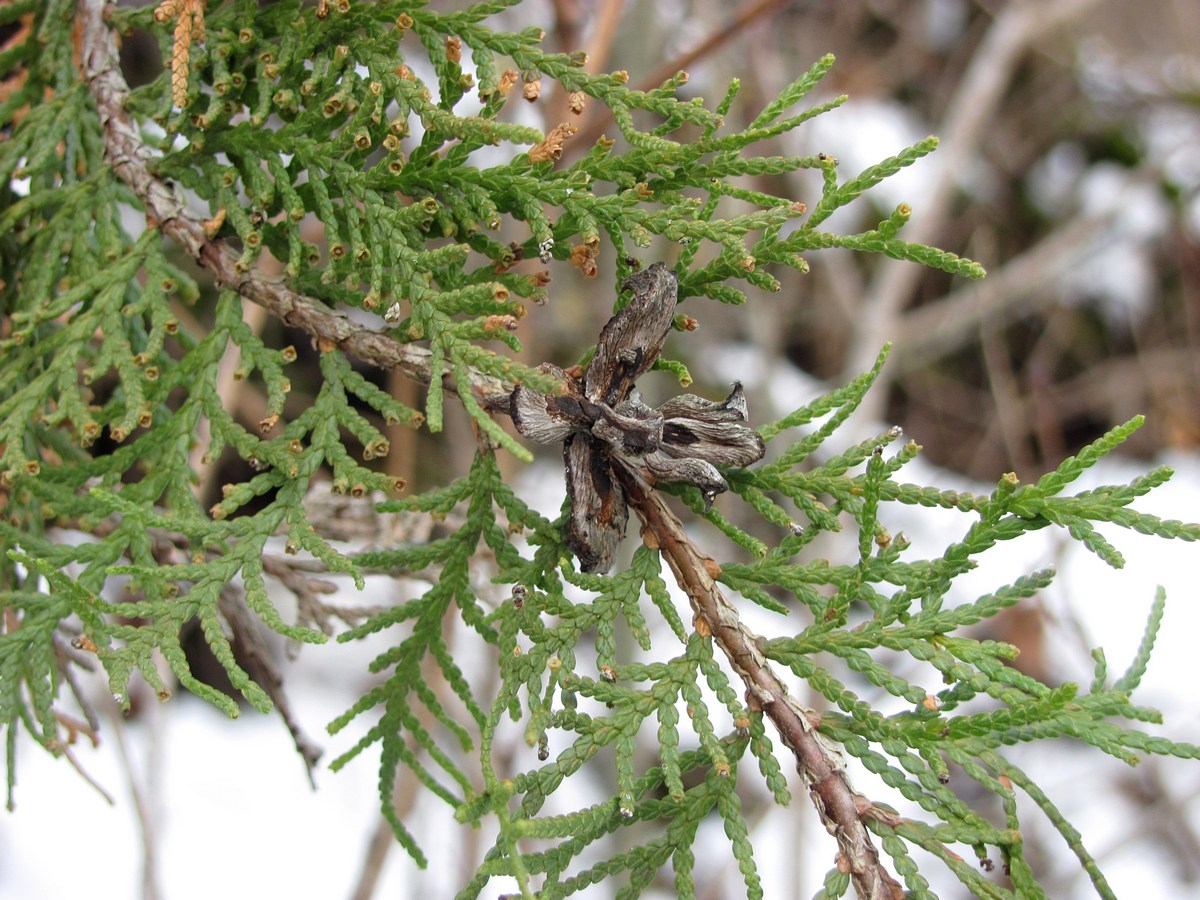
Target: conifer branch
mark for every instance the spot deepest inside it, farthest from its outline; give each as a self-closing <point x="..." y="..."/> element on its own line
<point x="164" y="209"/>
<point x="386" y="215"/>
<point x="842" y="809"/>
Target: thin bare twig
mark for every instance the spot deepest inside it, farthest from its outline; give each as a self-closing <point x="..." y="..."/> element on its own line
<point x="381" y="842"/>
<point x="253" y="653"/>
<point x="141" y="791"/>
<point x="936" y="329"/>
<point x="966" y="121"/>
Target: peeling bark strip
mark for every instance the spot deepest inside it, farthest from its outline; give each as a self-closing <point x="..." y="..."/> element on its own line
<point x="603" y="422"/>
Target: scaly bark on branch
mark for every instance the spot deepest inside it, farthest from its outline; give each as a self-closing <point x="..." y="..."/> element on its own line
<point x="841" y="808"/>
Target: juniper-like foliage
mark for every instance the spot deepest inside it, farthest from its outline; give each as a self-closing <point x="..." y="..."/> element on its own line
<point x="368" y="153"/>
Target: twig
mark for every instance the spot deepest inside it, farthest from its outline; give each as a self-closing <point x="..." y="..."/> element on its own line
<point x="381" y="842"/>
<point x="142" y="792"/>
<point x="606" y="17"/>
<point x="74" y="728"/>
<point x="604" y="33"/>
<point x="966" y="122"/>
<point x="722" y="34"/>
<point x="936" y="329"/>
<point x="253" y="654"/>
<point x="841" y="808"/>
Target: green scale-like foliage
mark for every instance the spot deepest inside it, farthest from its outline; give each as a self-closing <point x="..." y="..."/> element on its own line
<point x="880" y="601"/>
<point x="369" y="149"/>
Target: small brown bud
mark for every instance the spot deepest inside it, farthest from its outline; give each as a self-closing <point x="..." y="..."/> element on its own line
<point x="583" y="257"/>
<point x="497" y="323"/>
<point x="83" y="642"/>
<point x="552" y="146"/>
<point x="508" y="80"/>
<point x="454" y="49"/>
<point x="532" y="90"/>
<point x="576" y="101"/>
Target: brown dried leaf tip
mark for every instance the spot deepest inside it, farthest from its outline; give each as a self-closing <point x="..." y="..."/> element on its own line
<point x="552" y="146"/>
<point x="189" y="29"/>
<point x="583" y="256"/>
<point x="603" y="422"/>
<point x="508" y="78"/>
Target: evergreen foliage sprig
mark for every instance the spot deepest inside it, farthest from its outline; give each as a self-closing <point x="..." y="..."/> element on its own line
<point x="369" y="150"/>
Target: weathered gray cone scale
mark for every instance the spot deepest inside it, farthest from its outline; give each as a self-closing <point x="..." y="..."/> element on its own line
<point x="602" y="422"/>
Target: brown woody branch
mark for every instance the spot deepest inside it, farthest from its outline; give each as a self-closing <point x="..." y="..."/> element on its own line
<point x="131" y="161"/>
<point x="841" y="808"/>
